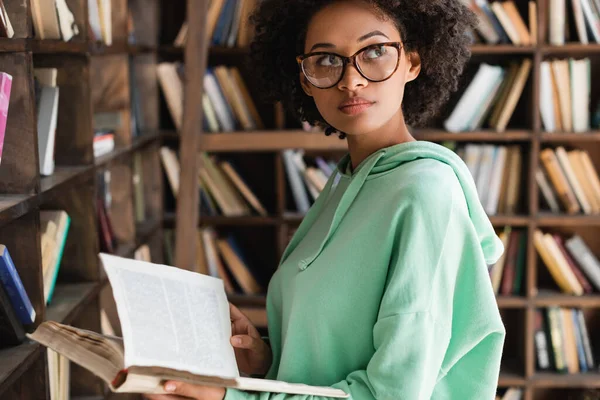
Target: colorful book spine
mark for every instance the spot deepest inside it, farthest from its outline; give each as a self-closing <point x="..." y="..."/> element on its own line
<point x="61" y="249"/>
<point x="5" y="87"/>
<point x="9" y="277"/>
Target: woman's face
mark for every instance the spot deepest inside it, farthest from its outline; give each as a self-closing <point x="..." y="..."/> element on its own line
<point x="356" y="105"/>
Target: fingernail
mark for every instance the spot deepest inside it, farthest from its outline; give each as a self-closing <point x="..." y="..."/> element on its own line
<point x="237" y="341"/>
<point x="170" y="387"/>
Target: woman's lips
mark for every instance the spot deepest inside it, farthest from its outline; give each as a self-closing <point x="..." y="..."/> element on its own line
<point x="355" y="106"/>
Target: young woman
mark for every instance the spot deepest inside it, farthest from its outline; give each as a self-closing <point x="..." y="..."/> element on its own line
<point x="384" y="290"/>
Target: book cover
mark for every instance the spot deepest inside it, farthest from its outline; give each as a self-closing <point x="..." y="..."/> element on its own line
<point x="5" y="87"/>
<point x="10" y="280"/>
<point x="61" y="247"/>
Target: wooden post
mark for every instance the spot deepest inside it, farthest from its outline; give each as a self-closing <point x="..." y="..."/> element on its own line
<point x="196" y="51"/>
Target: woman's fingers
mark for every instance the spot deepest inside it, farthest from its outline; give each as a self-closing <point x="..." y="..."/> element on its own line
<point x="245" y="342"/>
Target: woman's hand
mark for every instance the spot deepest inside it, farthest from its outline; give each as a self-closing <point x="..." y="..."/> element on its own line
<point x="252" y="354"/>
<point x="188" y="391"/>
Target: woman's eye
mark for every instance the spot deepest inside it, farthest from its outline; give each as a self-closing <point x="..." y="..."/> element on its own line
<point x="375" y="52"/>
<point x="329" y="61"/>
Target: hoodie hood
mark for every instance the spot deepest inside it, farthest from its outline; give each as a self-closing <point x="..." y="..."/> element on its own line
<point x="385" y="160"/>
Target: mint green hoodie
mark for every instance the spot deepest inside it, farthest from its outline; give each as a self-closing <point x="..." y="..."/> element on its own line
<point x="384" y="290"/>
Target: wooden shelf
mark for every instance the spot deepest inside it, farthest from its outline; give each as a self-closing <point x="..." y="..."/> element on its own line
<point x="511" y="302"/>
<point x="65" y="175"/>
<point x="513" y="220"/>
<point x="256" y="141"/>
<point x="501" y="49"/>
<point x="563" y="220"/>
<point x="571" y="49"/>
<point x="475" y="136"/>
<point x="15" y="206"/>
<point x="250" y="220"/>
<point x="564" y="300"/>
<point x="70" y="299"/>
<point x="50" y="46"/>
<point x="126" y="151"/>
<point x="12" y="45"/>
<point x="555" y="380"/>
<point x="15" y="361"/>
<point x="593" y="136"/>
<point x="508" y="379"/>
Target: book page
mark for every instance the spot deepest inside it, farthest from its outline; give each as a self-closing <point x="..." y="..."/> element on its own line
<point x="172" y="318"/>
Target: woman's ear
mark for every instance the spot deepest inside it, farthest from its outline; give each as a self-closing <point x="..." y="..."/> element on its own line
<point x="414" y="66"/>
<point x="306" y="86"/>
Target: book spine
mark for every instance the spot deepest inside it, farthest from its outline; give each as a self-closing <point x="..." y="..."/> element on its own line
<point x="14" y="289"/>
<point x="11" y="331"/>
<point x="5" y="87"/>
<point x="61" y="249"/>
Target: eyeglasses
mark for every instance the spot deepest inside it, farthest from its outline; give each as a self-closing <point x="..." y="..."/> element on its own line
<point x="376" y="63"/>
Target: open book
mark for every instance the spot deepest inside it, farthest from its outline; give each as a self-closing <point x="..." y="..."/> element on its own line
<point x="176" y="326"/>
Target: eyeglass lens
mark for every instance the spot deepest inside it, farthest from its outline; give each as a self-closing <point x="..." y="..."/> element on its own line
<point x="376" y="63"/>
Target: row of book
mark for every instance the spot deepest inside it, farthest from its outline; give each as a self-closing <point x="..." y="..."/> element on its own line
<point x="16" y="311"/>
<point x="226" y="101"/>
<point x="501" y="22"/>
<point x="53" y="19"/>
<point x="490" y="97"/>
<point x="100" y="19"/>
<point x="508" y="273"/>
<point x="227" y="24"/>
<point x="562" y="341"/>
<point x="584" y="15"/>
<point x="306" y="176"/>
<point x="223" y="191"/>
<point x="496" y="170"/>
<point x="570" y="261"/>
<point x="223" y="258"/>
<point x="512" y="393"/>
<point x="565" y="89"/>
<point x="569" y="181"/>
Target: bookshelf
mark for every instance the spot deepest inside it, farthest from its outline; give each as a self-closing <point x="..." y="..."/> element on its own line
<point x="525" y="130"/>
<point x="92" y="78"/>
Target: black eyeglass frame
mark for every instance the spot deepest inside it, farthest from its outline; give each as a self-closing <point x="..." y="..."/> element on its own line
<point x="350" y="60"/>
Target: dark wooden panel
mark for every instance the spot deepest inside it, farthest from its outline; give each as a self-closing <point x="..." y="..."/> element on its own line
<point x="153" y="182"/>
<point x="33" y="383"/>
<point x="187" y="204"/>
<point x="19" y="167"/>
<point x="80" y="260"/>
<point x="121" y="210"/>
<point x="146" y="81"/>
<point x="119" y="20"/>
<point x="145" y="21"/>
<point x="18" y="14"/>
<point x="110" y="89"/>
<point x="22" y="240"/>
<point x="74" y="137"/>
<point x="84" y="382"/>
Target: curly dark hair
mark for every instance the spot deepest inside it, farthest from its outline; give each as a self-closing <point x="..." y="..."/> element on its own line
<point x="435" y="29"/>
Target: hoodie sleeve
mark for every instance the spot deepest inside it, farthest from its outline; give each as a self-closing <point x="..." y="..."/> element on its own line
<point x="438" y="334"/>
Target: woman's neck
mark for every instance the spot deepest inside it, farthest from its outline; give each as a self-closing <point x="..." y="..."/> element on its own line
<point x="363" y="145"/>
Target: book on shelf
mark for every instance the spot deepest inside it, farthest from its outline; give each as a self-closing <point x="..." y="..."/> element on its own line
<point x="55" y="226"/>
<point x="104" y="143"/>
<point x="490" y="98"/>
<point x="227" y="24"/>
<point x="13" y="287"/>
<point x="47" y="94"/>
<point x="502" y="22"/>
<point x="584" y="15"/>
<point x="497" y="173"/>
<point x="568" y="181"/>
<point x="565" y="88"/>
<point x="58" y="375"/>
<point x="571" y="263"/>
<point x="130" y="364"/>
<point x="6" y="28"/>
<point x="508" y="272"/>
<point x="100" y="21"/>
<point x="142" y="253"/>
<point x="562" y="341"/>
<point x="226" y="102"/>
<point x="139" y="199"/>
<point x="52" y="19"/>
<point x="5" y="89"/>
<point x="512" y="393"/>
